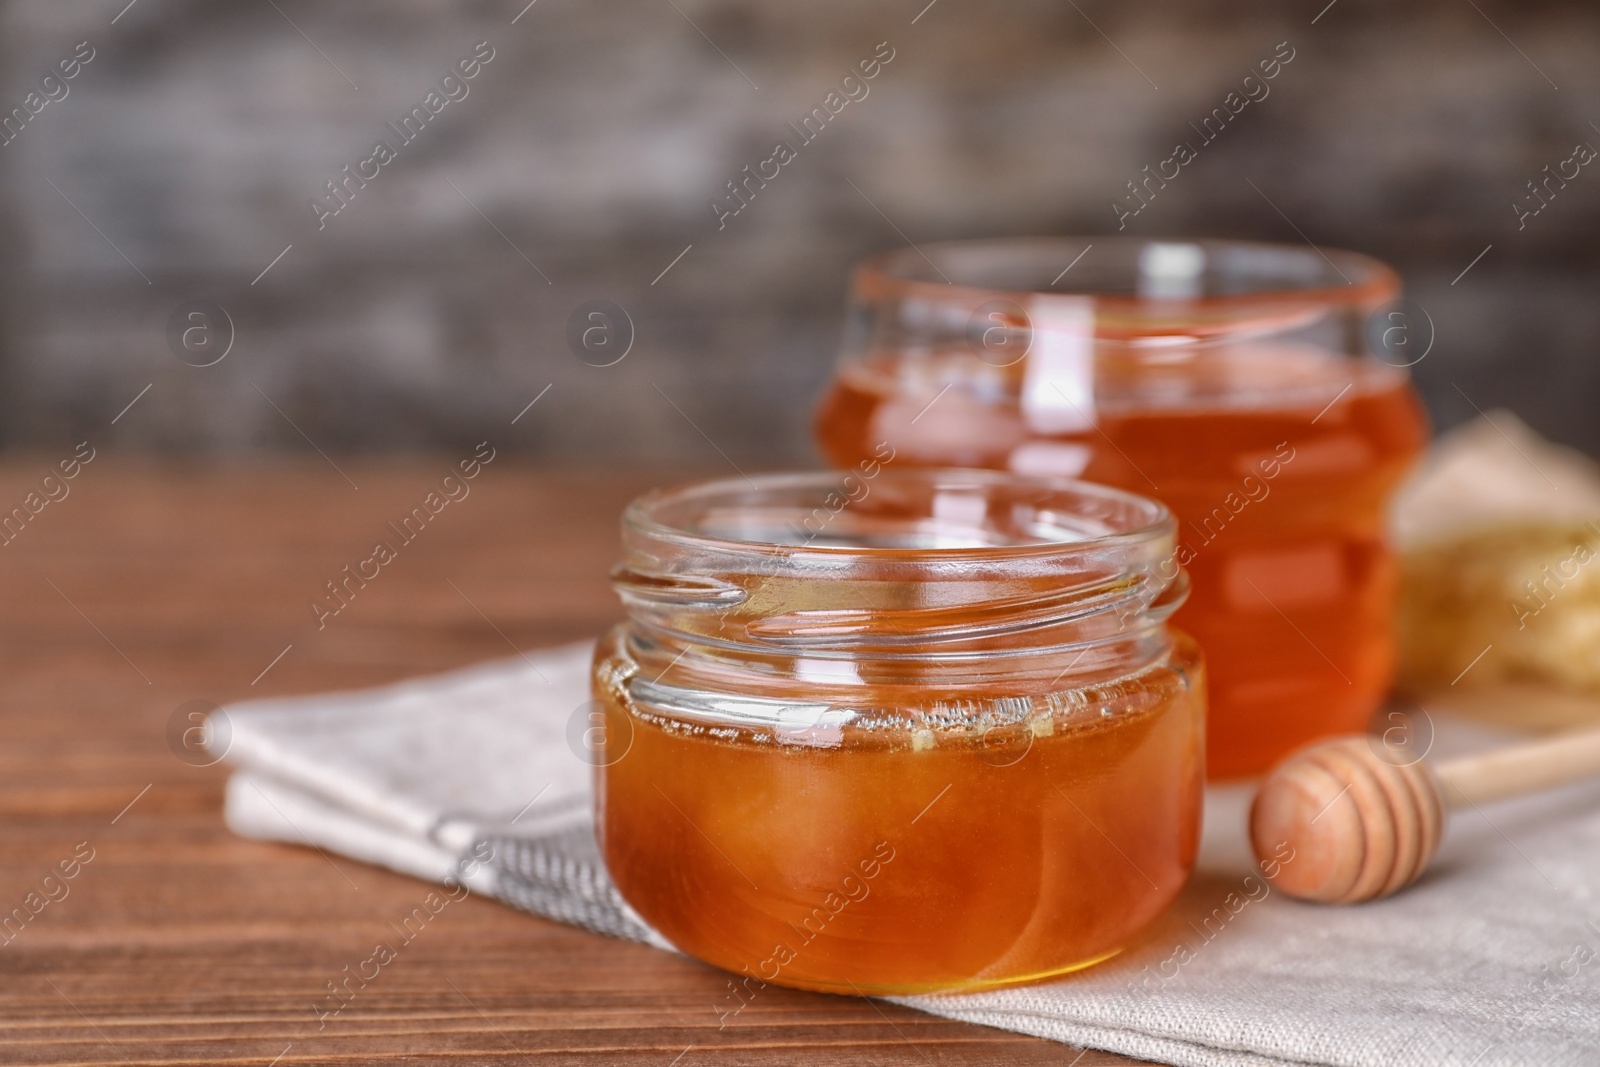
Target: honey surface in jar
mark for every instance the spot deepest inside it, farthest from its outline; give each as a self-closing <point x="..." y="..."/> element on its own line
<point x="928" y="840"/>
<point x="1277" y="462"/>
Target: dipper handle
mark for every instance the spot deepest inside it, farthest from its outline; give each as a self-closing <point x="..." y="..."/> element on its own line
<point x="1362" y="825"/>
<point x="1523" y="768"/>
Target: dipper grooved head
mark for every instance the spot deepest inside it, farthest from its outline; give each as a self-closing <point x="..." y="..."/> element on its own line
<point x="1360" y="825"/>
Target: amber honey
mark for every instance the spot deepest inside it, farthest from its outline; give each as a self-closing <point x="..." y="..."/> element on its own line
<point x="868" y="767"/>
<point x="957" y="860"/>
<point x="1281" y="527"/>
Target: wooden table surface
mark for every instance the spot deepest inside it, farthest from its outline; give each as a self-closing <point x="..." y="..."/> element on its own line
<point x="150" y="585"/>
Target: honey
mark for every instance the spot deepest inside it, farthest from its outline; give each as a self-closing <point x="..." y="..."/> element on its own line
<point x="1275" y="450"/>
<point x="897" y="758"/>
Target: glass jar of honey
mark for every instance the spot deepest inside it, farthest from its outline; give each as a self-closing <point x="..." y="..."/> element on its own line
<point x="897" y="730"/>
<point x="1259" y="391"/>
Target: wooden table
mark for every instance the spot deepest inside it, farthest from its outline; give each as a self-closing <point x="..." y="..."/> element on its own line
<point x="148" y="586"/>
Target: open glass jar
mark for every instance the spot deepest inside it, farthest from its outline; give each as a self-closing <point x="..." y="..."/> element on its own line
<point x="895" y="731"/>
<point x="1259" y="391"/>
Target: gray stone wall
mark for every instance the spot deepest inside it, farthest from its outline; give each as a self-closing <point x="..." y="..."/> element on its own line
<point x="583" y="157"/>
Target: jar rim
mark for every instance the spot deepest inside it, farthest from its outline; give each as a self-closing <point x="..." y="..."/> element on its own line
<point x="958" y="574"/>
<point x="904" y="274"/>
<point x="1131" y="520"/>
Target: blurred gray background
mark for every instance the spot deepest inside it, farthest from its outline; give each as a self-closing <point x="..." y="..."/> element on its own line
<point x="185" y="155"/>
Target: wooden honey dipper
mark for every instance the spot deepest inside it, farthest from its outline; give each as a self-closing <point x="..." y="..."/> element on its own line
<point x="1362" y="826"/>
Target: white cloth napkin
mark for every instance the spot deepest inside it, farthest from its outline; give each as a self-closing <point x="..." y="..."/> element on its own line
<point x="1492" y="959"/>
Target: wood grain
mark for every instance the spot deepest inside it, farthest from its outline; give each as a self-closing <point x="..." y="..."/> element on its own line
<point x="152" y="585"/>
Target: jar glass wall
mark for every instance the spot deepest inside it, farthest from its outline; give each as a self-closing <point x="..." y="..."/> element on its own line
<point x="895" y="731"/>
<point x="1239" y="384"/>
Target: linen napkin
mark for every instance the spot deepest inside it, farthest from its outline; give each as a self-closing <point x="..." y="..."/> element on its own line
<point x="414" y="776"/>
<point x="1492" y="959"/>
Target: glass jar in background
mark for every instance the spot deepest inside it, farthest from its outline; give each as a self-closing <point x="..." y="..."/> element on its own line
<point x="894" y="731"/>
<point x="1235" y="382"/>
